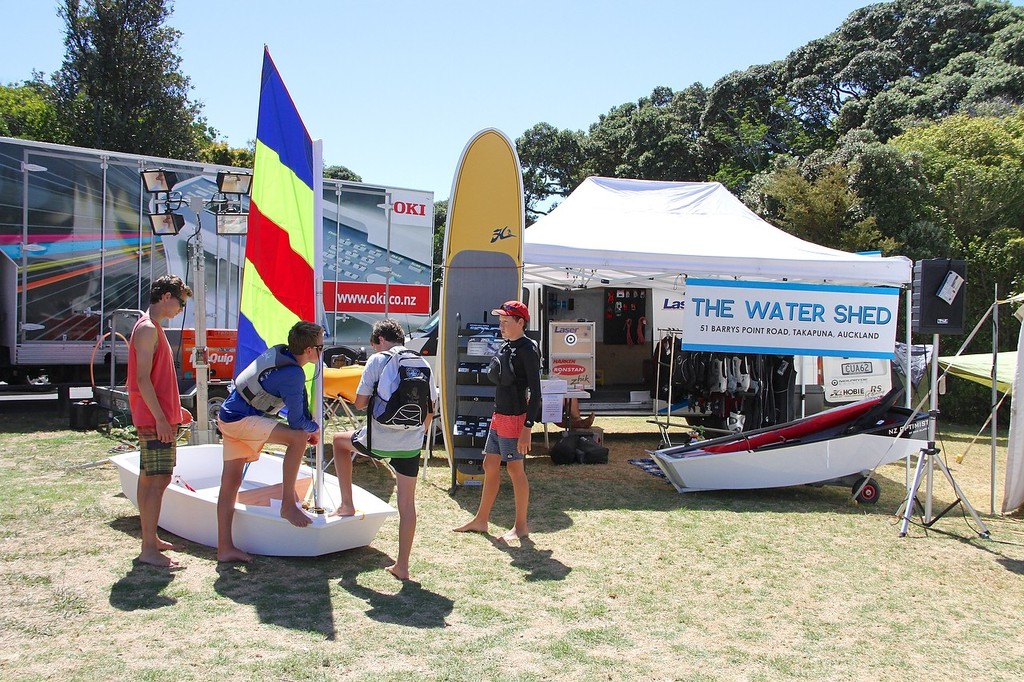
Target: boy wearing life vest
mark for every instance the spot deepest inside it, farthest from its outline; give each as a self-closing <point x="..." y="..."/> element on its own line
<point x="272" y="381"/>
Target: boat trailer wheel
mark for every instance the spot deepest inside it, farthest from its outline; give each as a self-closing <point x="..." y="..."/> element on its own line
<point x="870" y="492"/>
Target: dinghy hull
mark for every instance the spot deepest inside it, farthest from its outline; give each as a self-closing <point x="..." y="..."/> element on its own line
<point x="819" y="449"/>
<point x="189" y="507"/>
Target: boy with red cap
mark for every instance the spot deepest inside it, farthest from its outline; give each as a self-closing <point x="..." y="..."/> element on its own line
<point x="517" y="405"/>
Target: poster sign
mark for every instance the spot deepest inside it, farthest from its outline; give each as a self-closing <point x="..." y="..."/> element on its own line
<point x="369" y="297"/>
<point x="667" y="308"/>
<point x="571" y="354"/>
<point x="220" y="352"/>
<point x="625" y="316"/>
<point x="848" y="380"/>
<point x="577" y="372"/>
<point x="571" y="337"/>
<point x="788" y="318"/>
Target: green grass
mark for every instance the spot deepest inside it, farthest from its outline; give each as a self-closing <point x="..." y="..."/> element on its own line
<point x="623" y="579"/>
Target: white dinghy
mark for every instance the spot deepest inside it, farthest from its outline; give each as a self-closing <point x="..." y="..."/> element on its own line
<point x="841" y="446"/>
<point x="189" y="508"/>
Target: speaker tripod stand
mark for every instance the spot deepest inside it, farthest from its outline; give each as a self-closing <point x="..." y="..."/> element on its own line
<point x="926" y="460"/>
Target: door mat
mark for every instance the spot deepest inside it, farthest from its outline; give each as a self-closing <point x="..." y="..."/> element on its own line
<point x="648" y="465"/>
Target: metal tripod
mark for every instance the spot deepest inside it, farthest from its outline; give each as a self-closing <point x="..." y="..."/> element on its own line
<point x="925" y="466"/>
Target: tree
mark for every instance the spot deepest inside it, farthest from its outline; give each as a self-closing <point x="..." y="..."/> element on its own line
<point x="341" y="173"/>
<point x="120" y="87"/>
<point x="655" y="138"/>
<point x="892" y="62"/>
<point x="892" y="190"/>
<point x="440" y="226"/>
<point x="822" y="208"/>
<point x="220" y="153"/>
<point x="552" y="163"/>
<point x="27" y="112"/>
<point x="975" y="169"/>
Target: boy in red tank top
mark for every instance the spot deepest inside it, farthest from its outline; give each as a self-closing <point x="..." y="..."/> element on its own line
<point x="156" y="409"/>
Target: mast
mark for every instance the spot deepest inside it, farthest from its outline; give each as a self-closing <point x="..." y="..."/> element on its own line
<point x="318" y="298"/>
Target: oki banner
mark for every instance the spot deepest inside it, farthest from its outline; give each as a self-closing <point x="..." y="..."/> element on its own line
<point x="409" y="207"/>
<point x="370" y="297"/>
<point x="790" y="318"/>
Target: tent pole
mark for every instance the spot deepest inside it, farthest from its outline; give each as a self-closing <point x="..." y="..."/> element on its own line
<point x="908" y="384"/>
<point x="995" y="398"/>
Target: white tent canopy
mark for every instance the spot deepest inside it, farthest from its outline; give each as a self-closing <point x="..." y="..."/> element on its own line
<point x="616" y="232"/>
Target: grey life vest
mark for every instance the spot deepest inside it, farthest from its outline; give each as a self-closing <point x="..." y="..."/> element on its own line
<point x="248" y="382"/>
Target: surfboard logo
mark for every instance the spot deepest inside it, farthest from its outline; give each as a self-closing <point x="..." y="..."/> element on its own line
<point x="502" y="233"/>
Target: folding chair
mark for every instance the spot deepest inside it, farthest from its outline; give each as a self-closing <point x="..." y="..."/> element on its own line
<point x="340" y="385"/>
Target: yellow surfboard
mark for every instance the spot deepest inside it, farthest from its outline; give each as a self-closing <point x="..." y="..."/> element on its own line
<point x="483" y="259"/>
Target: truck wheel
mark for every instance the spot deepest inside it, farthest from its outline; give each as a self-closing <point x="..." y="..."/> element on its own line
<point x="870" y="493"/>
<point x="215" y="397"/>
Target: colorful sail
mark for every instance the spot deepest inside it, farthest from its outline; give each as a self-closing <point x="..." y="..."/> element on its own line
<point x="278" y="277"/>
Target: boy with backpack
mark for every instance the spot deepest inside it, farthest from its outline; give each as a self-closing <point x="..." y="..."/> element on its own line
<point x="398" y="392"/>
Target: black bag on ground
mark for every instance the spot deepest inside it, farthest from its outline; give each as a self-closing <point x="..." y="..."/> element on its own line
<point x="564" y="451"/>
<point x="589" y="452"/>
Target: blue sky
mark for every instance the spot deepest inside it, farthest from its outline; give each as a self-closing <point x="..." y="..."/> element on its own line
<point x="396" y="89"/>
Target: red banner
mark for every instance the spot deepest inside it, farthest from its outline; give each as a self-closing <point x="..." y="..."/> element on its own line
<point x="369" y="297"/>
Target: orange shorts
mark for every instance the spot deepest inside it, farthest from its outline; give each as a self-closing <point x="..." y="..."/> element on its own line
<point x="245" y="438"/>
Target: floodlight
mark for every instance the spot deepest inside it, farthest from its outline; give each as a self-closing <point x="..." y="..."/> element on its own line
<point x="158" y="180"/>
<point x="231" y="182"/>
<point x="232" y="223"/>
<point x="166" y="224"/>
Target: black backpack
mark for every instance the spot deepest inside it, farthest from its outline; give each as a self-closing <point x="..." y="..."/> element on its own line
<point x="501" y="370"/>
<point x="409" y="404"/>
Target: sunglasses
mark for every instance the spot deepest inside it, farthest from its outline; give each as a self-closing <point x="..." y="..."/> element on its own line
<point x="181" y="301"/>
<point x="319" y="348"/>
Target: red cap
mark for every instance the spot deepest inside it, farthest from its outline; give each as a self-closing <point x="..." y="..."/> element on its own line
<point x="513" y="309"/>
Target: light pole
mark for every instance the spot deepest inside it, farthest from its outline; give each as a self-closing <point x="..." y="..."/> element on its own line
<point x="231" y="218"/>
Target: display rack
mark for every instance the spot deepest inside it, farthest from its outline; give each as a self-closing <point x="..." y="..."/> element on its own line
<point x="668" y="368"/>
<point x="474" y="401"/>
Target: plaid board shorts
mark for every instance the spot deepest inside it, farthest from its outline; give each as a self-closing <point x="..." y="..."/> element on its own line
<point x="156" y="458"/>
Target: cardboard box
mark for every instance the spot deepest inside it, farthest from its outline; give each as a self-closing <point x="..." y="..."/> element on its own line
<point x="554" y="386"/>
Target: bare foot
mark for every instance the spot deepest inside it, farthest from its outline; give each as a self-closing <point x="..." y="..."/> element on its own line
<point x="401" y="575"/>
<point x="295" y="516"/>
<point x="163" y="545"/>
<point x="345" y="510"/>
<point x="515" y="534"/>
<point x="473" y="526"/>
<point x="155" y="558"/>
<point x="233" y="554"/>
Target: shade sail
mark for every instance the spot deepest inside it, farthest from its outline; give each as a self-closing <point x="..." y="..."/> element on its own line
<point x="978" y="368"/>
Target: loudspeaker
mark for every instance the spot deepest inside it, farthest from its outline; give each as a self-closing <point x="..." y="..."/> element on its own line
<point x="939" y="296"/>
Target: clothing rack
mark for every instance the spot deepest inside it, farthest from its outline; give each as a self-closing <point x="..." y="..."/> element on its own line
<point x="664" y="425"/>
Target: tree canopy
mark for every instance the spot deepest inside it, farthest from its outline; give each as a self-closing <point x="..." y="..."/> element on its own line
<point x="27" y="111"/>
<point x="120" y="86"/>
